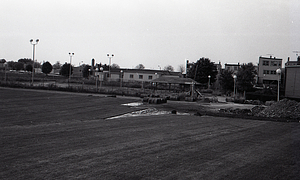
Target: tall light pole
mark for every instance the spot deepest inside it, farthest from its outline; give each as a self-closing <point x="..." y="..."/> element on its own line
<point x="278" y="72"/>
<point x="208" y="86"/>
<point x="71" y="55"/>
<point x="101" y="77"/>
<point x="33" y="54"/>
<point x="234" y="81"/>
<point x="97" y="78"/>
<point x="121" y="78"/>
<point x="110" y="56"/>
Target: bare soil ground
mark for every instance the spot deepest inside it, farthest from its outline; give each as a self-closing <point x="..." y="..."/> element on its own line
<point x="48" y="135"/>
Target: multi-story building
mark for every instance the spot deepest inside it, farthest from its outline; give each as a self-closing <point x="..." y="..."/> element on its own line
<point x="292" y="79"/>
<point x="233" y="67"/>
<point x="267" y="67"/>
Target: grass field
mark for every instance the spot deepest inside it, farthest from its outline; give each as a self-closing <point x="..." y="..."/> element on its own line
<point x="49" y="135"/>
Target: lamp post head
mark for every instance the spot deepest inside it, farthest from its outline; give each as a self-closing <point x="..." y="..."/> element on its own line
<point x="36" y="41"/>
<point x="234" y="76"/>
<point x="209" y="76"/>
<point x="101" y="69"/>
<point x="278" y="71"/>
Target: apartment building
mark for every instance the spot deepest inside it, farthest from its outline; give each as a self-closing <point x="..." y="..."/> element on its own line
<point x="232" y="67"/>
<point x="267" y="67"/>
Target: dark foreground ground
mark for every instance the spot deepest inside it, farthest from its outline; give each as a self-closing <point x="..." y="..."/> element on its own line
<point x="46" y="135"/>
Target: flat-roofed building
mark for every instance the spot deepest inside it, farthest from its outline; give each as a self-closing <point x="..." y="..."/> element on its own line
<point x="267" y="67"/>
<point x="292" y="63"/>
<point x="131" y="75"/>
<point x="292" y="79"/>
<point x="232" y="67"/>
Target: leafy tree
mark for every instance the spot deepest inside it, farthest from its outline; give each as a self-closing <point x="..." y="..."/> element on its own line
<point x="245" y="77"/>
<point x="19" y="66"/>
<point x="65" y="70"/>
<point x="202" y="69"/>
<point x="105" y="67"/>
<point x="181" y="68"/>
<point x="226" y="80"/>
<point x="28" y="67"/>
<point x="11" y="64"/>
<point x="169" y="68"/>
<point x="25" y="61"/>
<point x="115" y="66"/>
<point x="57" y="65"/>
<point x="140" y="66"/>
<point x="85" y="71"/>
<point x="2" y="60"/>
<point x="46" y="68"/>
<point x="37" y="65"/>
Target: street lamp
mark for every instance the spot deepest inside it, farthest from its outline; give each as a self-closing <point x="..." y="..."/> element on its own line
<point x="101" y="77"/>
<point x="97" y="77"/>
<point x="234" y="81"/>
<point x="33" y="49"/>
<point x="71" y="55"/>
<point x="208" y="86"/>
<point x="278" y="72"/>
<point x="109" y="58"/>
<point x="121" y="78"/>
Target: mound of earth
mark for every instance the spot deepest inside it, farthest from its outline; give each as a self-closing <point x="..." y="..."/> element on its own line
<point x="283" y="109"/>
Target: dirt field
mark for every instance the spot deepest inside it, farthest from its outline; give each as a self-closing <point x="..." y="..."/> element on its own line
<point x="46" y="135"/>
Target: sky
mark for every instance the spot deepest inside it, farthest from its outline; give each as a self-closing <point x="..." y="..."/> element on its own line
<point x="155" y="33"/>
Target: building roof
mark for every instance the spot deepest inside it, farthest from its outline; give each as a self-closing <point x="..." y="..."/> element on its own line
<point x="238" y="64"/>
<point x="270" y="58"/>
<point x="174" y="80"/>
<point x="147" y="71"/>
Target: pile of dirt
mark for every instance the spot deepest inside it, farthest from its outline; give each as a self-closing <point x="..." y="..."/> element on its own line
<point x="283" y="109"/>
<point x="235" y="111"/>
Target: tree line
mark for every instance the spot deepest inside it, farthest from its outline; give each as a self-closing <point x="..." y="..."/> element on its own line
<point x="204" y="71"/>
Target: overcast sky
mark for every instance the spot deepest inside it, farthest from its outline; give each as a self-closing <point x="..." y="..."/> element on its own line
<point x="151" y="32"/>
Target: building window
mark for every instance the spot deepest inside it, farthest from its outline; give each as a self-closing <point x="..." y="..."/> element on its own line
<point x="273" y="63"/>
<point x="273" y="72"/>
<point x="279" y="64"/>
<point x="228" y="68"/>
<point x="235" y="68"/>
<point x="149" y="77"/>
<point x="131" y="76"/>
<point x="266" y="72"/>
<point x="265" y="63"/>
<point x="141" y="77"/>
